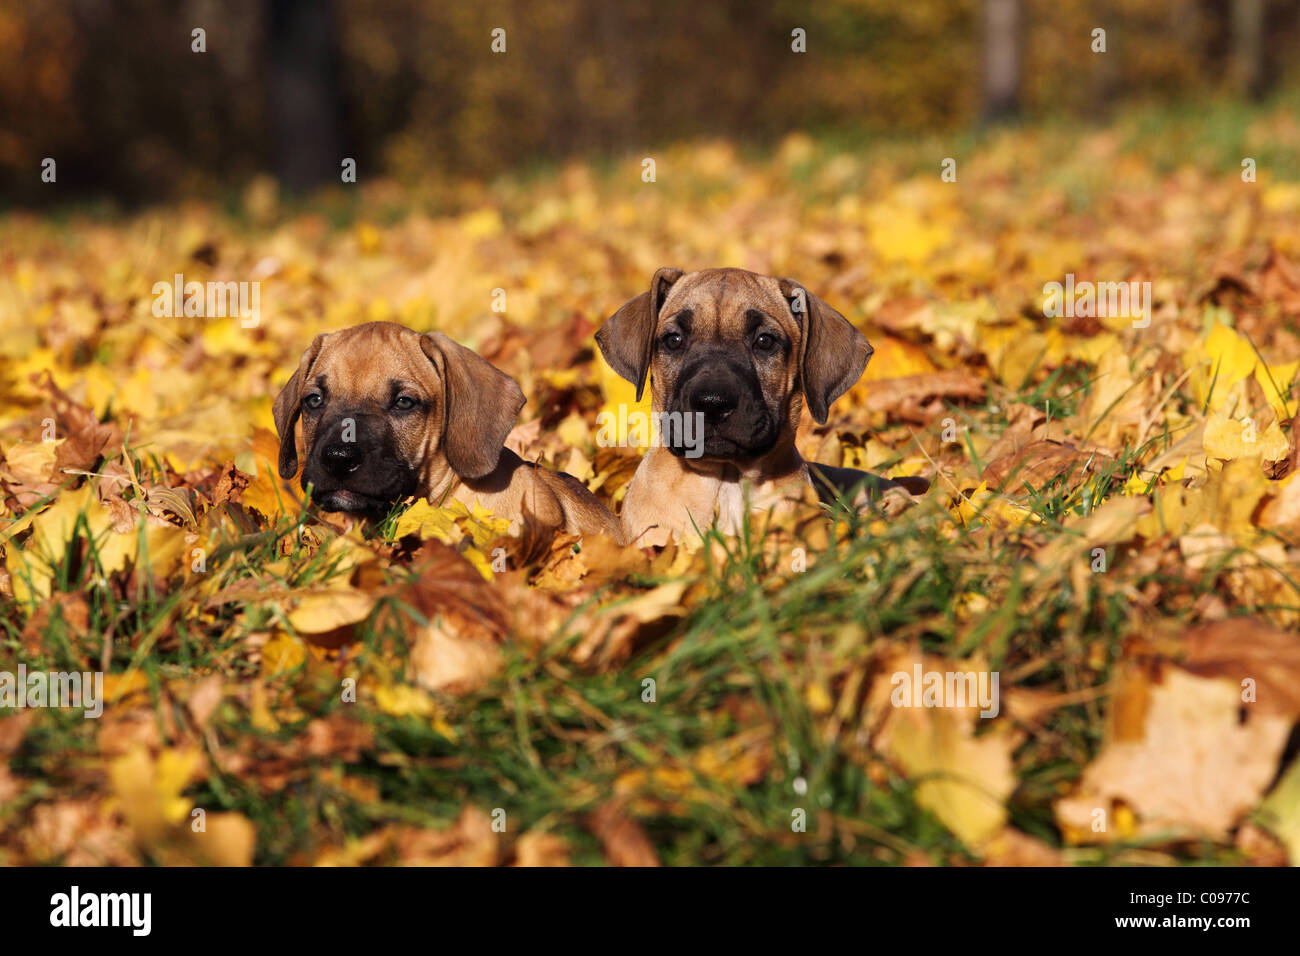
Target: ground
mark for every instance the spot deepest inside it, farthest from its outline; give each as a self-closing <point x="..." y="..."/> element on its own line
<point x="1112" y="526"/>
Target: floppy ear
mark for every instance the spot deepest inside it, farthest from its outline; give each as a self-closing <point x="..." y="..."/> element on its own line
<point x="480" y="404"/>
<point x="287" y="406"/>
<point x="832" y="353"/>
<point x="628" y="336"/>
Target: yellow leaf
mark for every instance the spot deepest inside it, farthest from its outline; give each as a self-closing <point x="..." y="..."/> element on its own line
<point x="477" y="558"/>
<point x="120" y="686"/>
<point x="563" y="377"/>
<point x="894" y="358"/>
<point x="428" y="521"/>
<point x="993" y="507"/>
<point x="281" y="653"/>
<point x="904" y="236"/>
<point x="482" y="224"/>
<point x="819" y="701"/>
<point x="149" y="792"/>
<point x="573" y="430"/>
<point x="1230" y="355"/>
<point x="1228" y="439"/>
<point x="1281" y="812"/>
<point x="228" y="839"/>
<point x="266" y="492"/>
<point x="162" y="545"/>
<point x="403" y="700"/>
<point x="53" y="529"/>
<point x="451" y="523"/>
<point x="963" y="779"/>
<point x="1276" y="381"/>
<point x="330" y="608"/>
<point x="368" y="237"/>
<point x="620" y="407"/>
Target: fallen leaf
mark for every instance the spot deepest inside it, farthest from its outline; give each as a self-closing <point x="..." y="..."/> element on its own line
<point x="624" y="842"/>
<point x="1189" y="766"/>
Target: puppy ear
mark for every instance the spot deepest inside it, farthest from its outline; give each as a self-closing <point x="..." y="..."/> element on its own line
<point x="627" y="338"/>
<point x="480" y="404"/>
<point x="288" y="404"/>
<point x="832" y="353"/>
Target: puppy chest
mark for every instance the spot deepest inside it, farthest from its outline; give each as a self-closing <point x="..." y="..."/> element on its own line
<point x="729" y="506"/>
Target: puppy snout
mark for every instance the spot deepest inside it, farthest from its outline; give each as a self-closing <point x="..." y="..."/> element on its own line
<point x="715" y="401"/>
<point x="341" y="459"/>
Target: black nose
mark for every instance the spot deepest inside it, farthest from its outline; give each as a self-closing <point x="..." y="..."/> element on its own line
<point x="714" y="402"/>
<point x="341" y="459"/>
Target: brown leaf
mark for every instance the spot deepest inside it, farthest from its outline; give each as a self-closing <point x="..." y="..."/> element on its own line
<point x="72" y="609"/>
<point x="1011" y="847"/>
<point x="537" y="848"/>
<point x="204" y="699"/>
<point x="338" y="736"/>
<point x="230" y="486"/>
<point x="445" y="661"/>
<point x="85" y="447"/>
<point x="450" y="586"/>
<point x="1039" y="463"/>
<point x="921" y="398"/>
<point x="78" y="833"/>
<point x="121" y="731"/>
<point x="458" y="649"/>
<point x="624" y="841"/>
<point x="1244" y="648"/>
<point x="1279" y="281"/>
<point x="86" y="438"/>
<point x="612" y="632"/>
<point x="1180" y="756"/>
<point x="469" y="842"/>
<point x="12" y="729"/>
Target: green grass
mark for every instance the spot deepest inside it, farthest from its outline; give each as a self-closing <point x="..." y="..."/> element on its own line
<point x="547" y="740"/>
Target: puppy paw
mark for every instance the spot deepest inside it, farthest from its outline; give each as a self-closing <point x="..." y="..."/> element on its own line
<point x="895" y="500"/>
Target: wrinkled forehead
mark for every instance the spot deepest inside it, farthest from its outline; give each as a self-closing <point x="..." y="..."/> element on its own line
<point x="370" y="364"/>
<point x="716" y="297"/>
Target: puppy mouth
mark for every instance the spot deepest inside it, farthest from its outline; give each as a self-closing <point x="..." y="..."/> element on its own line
<point x="712" y="445"/>
<point x="352" y="502"/>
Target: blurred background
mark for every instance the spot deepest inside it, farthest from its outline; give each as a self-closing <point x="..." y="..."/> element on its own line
<point x="113" y="90"/>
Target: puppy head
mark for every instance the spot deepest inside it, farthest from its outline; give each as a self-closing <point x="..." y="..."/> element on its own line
<point x="381" y="407"/>
<point x="740" y="350"/>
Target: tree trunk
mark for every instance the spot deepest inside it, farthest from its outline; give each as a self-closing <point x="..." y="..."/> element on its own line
<point x="305" y="105"/>
<point x="1248" y="47"/>
<point x="1001" y="59"/>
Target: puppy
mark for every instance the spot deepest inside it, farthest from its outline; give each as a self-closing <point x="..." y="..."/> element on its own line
<point x="382" y="413"/>
<point x="742" y="352"/>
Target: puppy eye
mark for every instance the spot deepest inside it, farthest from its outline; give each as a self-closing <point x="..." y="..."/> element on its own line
<point x="765" y="342"/>
<point x="404" y="403"/>
<point x="314" y="400"/>
<point x="673" y="341"/>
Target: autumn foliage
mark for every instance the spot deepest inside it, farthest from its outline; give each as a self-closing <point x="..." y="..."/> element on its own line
<point x="1113" y="526"/>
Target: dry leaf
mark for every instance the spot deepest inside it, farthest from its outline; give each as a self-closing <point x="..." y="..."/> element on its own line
<point x="625" y="843"/>
<point x="541" y="849"/>
<point x="1188" y="766"/>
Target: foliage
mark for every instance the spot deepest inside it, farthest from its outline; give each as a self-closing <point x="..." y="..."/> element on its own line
<point x="1046" y="439"/>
